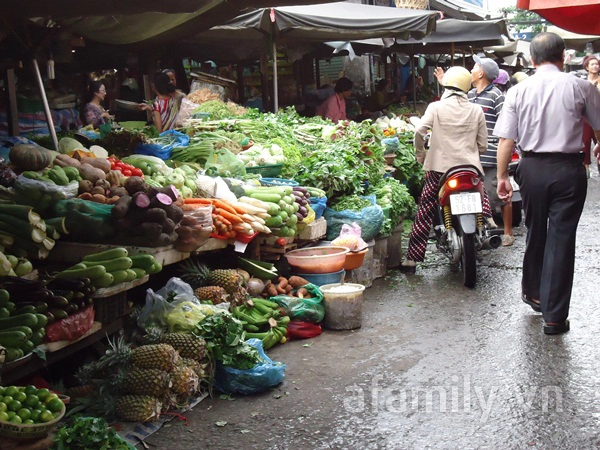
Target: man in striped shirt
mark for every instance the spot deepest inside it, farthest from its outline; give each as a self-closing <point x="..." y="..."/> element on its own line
<point x="491" y="99"/>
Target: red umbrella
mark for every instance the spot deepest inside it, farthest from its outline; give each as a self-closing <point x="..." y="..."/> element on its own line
<point x="578" y="16"/>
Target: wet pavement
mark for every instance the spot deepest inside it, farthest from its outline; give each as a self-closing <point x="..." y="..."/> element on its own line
<point x="434" y="366"/>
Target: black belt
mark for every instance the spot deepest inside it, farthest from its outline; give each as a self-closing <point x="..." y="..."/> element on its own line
<point x="554" y="155"/>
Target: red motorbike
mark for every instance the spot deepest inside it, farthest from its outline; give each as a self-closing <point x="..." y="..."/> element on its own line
<point x="460" y="229"/>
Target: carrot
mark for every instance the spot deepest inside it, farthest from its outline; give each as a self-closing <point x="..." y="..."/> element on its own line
<point x="232" y="217"/>
<point x="195" y="201"/>
<point x="223" y="205"/>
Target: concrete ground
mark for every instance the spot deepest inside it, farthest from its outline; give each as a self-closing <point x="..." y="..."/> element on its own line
<point x="434" y="366"/>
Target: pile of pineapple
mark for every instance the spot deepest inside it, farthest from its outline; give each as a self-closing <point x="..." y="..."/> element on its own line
<point x="138" y="384"/>
<point x="218" y="286"/>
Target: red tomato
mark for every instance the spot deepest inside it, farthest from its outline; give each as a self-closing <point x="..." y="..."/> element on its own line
<point x="280" y="242"/>
<point x="126" y="172"/>
<point x="137" y="172"/>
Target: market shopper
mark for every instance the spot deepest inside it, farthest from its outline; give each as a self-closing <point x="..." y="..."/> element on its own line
<point x="334" y="108"/>
<point x="544" y="113"/>
<point x="592" y="66"/>
<point x="94" y="113"/>
<point x="166" y="105"/>
<point x="458" y="136"/>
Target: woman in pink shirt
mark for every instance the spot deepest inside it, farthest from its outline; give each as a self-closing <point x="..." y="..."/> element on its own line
<point x="334" y="108"/>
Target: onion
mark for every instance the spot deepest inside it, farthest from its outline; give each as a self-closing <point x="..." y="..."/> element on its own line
<point x="245" y="275"/>
<point x="255" y="286"/>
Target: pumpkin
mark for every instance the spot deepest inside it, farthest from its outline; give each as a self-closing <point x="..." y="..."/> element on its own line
<point x="30" y="157"/>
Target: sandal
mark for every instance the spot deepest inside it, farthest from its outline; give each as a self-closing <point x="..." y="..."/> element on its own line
<point x="556" y="328"/>
<point x="534" y="303"/>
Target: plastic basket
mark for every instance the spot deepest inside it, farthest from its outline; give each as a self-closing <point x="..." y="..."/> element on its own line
<point x="107" y="309"/>
<point x="277" y="182"/>
<point x="34" y="431"/>
<point x="271" y="170"/>
<point x="245" y="238"/>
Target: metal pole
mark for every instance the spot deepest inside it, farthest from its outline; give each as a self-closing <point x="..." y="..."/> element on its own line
<point x="414" y="76"/>
<point x="49" y="120"/>
<point x="275" y="94"/>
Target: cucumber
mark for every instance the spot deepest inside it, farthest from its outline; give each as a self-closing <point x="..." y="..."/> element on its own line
<point x="106" y="255"/>
<point x="11" y="307"/>
<point x="58" y="301"/>
<point x="42" y="322"/>
<point x="131" y="274"/>
<point x="4" y="297"/>
<point x="112" y="264"/>
<point x="28" y="320"/>
<point x="92" y="273"/>
<point x="28" y="347"/>
<point x="155" y="268"/>
<point x="119" y="276"/>
<point x="142" y="261"/>
<point x="38" y="336"/>
<point x="104" y="281"/>
<point x="41" y="307"/>
<point x="139" y="272"/>
<point x="27" y="309"/>
<point x="58" y="313"/>
<point x="13" y="354"/>
<point x="4" y="313"/>
<point x="28" y="331"/>
<point x="266" y="197"/>
<point x="13" y="339"/>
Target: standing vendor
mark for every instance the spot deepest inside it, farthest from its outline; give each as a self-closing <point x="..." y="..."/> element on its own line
<point x="166" y="105"/>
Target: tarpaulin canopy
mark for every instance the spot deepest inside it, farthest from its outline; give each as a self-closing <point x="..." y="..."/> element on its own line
<point x="456" y="34"/>
<point x="300" y="28"/>
<point x="578" y="16"/>
<point x="574" y="40"/>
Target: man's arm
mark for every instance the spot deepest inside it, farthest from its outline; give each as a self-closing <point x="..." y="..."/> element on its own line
<point x="504" y="188"/>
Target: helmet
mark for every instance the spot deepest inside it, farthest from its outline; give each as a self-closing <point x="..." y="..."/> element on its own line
<point x="502" y="77"/>
<point x="457" y="77"/>
<point x="520" y="76"/>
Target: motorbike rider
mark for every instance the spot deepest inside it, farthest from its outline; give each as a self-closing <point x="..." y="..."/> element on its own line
<point x="458" y="136"/>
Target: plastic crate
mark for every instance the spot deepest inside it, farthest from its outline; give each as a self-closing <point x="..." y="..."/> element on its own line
<point x="277" y="182"/>
<point x="108" y="309"/>
<point x="271" y="170"/>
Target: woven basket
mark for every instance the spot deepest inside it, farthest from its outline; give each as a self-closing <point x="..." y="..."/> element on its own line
<point x="412" y="4"/>
<point x="24" y="431"/>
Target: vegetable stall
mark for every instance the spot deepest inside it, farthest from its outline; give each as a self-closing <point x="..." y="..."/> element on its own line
<point x="203" y="214"/>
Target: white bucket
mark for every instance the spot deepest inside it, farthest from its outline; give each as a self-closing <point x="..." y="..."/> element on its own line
<point x="343" y="305"/>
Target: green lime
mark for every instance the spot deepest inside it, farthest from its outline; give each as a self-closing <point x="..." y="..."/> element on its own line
<point x="46" y="416"/>
<point x="2" y="391"/>
<point x="43" y="393"/>
<point x="16" y="419"/>
<point x="35" y="415"/>
<point x="50" y="397"/>
<point x="11" y="414"/>
<point x="24" y="413"/>
<point x="7" y="399"/>
<point x="30" y="389"/>
<point x="15" y="405"/>
<point x="20" y="396"/>
<point x="29" y="422"/>
<point x="54" y="405"/>
<point x="11" y="391"/>
<point x="3" y="416"/>
<point x="32" y="401"/>
<point x="3" y="407"/>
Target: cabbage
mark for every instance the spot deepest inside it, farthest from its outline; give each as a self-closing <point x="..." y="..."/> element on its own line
<point x="67" y="145"/>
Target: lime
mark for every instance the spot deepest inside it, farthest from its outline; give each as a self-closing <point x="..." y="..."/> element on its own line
<point x="35" y="415"/>
<point x="4" y="416"/>
<point x="28" y="422"/>
<point x="15" y="405"/>
<point x="11" y="391"/>
<point x="50" y="397"/>
<point x="43" y="393"/>
<point x="32" y="401"/>
<point x="24" y="413"/>
<point x="54" y="405"/>
<point x="3" y="407"/>
<point x="46" y="416"/>
<point x="16" y="419"/>
<point x="2" y="391"/>
<point x="20" y="396"/>
<point x="30" y="389"/>
<point x="11" y="414"/>
<point x="7" y="399"/>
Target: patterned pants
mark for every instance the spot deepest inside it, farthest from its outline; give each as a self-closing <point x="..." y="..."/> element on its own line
<point x="419" y="234"/>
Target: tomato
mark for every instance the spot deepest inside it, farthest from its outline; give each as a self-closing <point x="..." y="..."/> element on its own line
<point x="280" y="242"/>
<point x="126" y="172"/>
<point x="137" y="172"/>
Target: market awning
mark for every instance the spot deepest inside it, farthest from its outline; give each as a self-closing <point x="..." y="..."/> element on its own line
<point x="462" y="10"/>
<point x="299" y="29"/>
<point x="572" y="40"/>
<point x="578" y="16"/>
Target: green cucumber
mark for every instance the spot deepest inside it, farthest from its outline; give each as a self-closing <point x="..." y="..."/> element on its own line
<point x="28" y="320"/>
<point x="92" y="273"/>
<point x="42" y="322"/>
<point x="143" y="261"/>
<point x="13" y="353"/>
<point x="28" y="331"/>
<point x="106" y="255"/>
<point x="105" y="280"/>
<point x="266" y="197"/>
<point x="27" y="309"/>
<point x="131" y="274"/>
<point x="155" y="268"/>
<point x="38" y="336"/>
<point x="58" y="313"/>
<point x="119" y="276"/>
<point x="4" y="297"/>
<point x="4" y="313"/>
<point x="112" y="265"/>
<point x="13" y="339"/>
<point x="58" y="301"/>
<point x="139" y="272"/>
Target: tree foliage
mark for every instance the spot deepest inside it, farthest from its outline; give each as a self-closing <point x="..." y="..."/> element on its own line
<point x="522" y="19"/>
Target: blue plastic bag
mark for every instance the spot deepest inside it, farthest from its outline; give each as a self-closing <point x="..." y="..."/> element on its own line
<point x="175" y="139"/>
<point x="369" y="219"/>
<point x="260" y="378"/>
<point x="318" y="204"/>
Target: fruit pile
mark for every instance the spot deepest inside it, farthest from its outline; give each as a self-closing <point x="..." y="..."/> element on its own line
<point x="29" y="405"/>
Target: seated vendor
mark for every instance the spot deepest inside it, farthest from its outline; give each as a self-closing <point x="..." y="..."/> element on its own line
<point x="94" y="113"/>
<point x="334" y="108"/>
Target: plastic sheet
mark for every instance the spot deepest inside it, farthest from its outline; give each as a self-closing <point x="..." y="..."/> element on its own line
<point x="72" y="327"/>
<point x="369" y="219"/>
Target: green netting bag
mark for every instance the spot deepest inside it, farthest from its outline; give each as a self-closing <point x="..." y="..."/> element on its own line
<point x="304" y="309"/>
<point x="86" y="221"/>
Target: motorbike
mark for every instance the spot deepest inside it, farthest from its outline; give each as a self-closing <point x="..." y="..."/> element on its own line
<point x="460" y="229"/>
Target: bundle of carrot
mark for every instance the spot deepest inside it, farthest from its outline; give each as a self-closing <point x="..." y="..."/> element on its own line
<point x="230" y="218"/>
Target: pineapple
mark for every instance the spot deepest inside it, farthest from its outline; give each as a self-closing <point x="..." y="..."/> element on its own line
<point x="193" y="273"/>
<point x="152" y="382"/>
<point x="86" y="390"/>
<point x="216" y="294"/>
<point x="153" y="356"/>
<point x="228" y="279"/>
<point x="153" y="335"/>
<point x="138" y="408"/>
<point x="194" y="365"/>
<point x="188" y="345"/>
<point x="185" y="380"/>
<point x="199" y="275"/>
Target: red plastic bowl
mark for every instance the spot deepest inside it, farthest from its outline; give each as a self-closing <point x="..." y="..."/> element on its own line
<point x="317" y="259"/>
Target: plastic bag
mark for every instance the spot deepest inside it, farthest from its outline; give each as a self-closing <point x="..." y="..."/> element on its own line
<point x="311" y="216"/>
<point x="194" y="229"/>
<point x="185" y="111"/>
<point x="72" y="327"/>
<point x="391" y="145"/>
<point x="183" y="316"/>
<point x="260" y="378"/>
<point x="163" y="151"/>
<point x="158" y="303"/>
<point x="297" y="329"/>
<point x="318" y="204"/>
<point x="85" y="220"/>
<point x="304" y="309"/>
<point x="350" y="236"/>
<point x="42" y="195"/>
<point x="224" y="163"/>
<point x="369" y="219"/>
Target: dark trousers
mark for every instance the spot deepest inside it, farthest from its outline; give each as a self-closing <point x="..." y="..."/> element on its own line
<point x="553" y="187"/>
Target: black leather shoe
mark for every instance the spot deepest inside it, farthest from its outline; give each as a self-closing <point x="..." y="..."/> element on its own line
<point x="558" y="328"/>
<point x="407" y="269"/>
<point x="534" y="305"/>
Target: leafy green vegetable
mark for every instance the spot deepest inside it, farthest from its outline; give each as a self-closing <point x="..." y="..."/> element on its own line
<point x="224" y="340"/>
<point x="89" y="433"/>
<point x="351" y="202"/>
<point x="394" y="196"/>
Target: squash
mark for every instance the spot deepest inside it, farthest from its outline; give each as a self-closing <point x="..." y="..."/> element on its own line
<point x="30" y="157"/>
